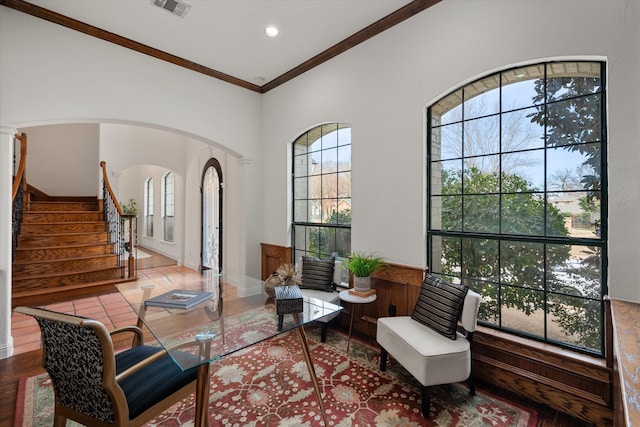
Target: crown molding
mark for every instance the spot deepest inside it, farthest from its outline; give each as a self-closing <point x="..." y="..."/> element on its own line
<point x="366" y="33"/>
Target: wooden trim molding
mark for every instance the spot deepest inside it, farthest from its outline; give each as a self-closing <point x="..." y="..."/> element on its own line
<point x="105" y="178"/>
<point x="272" y="257"/>
<point x="90" y="30"/>
<point x="17" y="180"/>
<point x="365" y="34"/>
<point x="575" y="384"/>
<point x="626" y="322"/>
<point x="372" y="30"/>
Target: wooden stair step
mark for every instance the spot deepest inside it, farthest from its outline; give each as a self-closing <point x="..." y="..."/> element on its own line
<point x="65" y="293"/>
<point x="44" y="283"/>
<point x="61" y="239"/>
<point x="62" y="216"/>
<point x="63" y="265"/>
<point x="63" y="206"/>
<point x="61" y="252"/>
<point x="27" y="229"/>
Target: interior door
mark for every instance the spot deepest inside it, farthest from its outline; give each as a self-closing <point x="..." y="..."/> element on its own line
<point x="212" y="216"/>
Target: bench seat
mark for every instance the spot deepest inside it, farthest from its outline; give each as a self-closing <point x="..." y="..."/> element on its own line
<point x="330" y="297"/>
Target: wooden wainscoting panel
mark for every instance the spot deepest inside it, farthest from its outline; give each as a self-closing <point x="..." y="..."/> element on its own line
<point x="273" y="256"/>
<point x="573" y="383"/>
<point x="390" y="296"/>
<point x="618" y="398"/>
<point x="395" y="288"/>
<point x="404" y="298"/>
<point x="503" y="376"/>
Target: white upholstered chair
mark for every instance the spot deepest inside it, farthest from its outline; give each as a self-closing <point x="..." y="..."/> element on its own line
<point x="426" y="354"/>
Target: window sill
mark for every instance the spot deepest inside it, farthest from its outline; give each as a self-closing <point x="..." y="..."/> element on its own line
<point x="538" y="346"/>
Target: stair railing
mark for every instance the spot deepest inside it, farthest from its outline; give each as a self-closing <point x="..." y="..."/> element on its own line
<point x="123" y="239"/>
<point x="18" y="193"/>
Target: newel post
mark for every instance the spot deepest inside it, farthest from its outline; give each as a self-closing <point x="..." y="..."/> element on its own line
<point x="6" y="219"/>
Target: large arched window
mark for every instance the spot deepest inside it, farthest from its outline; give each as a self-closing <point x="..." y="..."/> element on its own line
<point x="148" y="207"/>
<point x="168" y="201"/>
<point x="322" y="192"/>
<point x="517" y="199"/>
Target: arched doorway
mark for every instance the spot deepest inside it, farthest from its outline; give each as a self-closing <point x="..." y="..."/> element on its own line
<point x="211" y="188"/>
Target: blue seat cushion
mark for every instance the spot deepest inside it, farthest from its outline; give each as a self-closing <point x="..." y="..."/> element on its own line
<point x="154" y="382"/>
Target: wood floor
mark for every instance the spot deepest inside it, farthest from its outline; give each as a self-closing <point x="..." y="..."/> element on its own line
<point x="27" y="363"/>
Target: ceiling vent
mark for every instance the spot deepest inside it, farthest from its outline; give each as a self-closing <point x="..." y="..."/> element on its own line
<point x="176" y="7"/>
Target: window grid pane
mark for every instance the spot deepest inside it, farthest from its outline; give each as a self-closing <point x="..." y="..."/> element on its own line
<point x="322" y="191"/>
<point x="517" y="174"/>
<point x="148" y="207"/>
<point x="168" y="206"/>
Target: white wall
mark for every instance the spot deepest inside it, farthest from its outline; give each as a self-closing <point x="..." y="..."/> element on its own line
<point x="50" y="74"/>
<point x="383" y="86"/>
<point x="132" y="185"/>
<point x="152" y="153"/>
<point x="134" y="153"/>
<point x="53" y="75"/>
<point x="53" y="154"/>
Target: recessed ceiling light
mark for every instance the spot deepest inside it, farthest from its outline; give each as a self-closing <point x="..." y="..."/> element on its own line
<point x="271" y="31"/>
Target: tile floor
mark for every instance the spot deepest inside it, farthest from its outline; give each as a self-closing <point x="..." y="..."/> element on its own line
<point x="110" y="309"/>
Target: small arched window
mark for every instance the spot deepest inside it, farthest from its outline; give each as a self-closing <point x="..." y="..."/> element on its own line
<point x="148" y="207"/>
<point x="168" y="204"/>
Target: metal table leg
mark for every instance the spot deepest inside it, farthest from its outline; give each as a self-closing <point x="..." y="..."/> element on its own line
<point x="312" y="372"/>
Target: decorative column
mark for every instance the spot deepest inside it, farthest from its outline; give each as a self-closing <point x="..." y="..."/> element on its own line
<point x="6" y="185"/>
<point x="246" y="226"/>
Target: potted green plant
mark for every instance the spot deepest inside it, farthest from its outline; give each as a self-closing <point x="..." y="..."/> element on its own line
<point x="129" y="208"/>
<point x="362" y="265"/>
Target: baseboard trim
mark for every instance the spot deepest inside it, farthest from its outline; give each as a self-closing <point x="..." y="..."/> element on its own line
<point x="6" y="349"/>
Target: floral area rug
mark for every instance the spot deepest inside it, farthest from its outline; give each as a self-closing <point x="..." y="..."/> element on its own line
<point x="268" y="384"/>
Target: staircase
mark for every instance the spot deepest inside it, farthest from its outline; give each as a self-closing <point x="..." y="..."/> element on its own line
<point x="63" y="252"/>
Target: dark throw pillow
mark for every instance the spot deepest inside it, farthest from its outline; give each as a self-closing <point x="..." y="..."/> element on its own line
<point x="439" y="305"/>
<point x="317" y="273"/>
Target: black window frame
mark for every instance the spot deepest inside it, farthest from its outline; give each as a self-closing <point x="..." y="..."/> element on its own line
<point x="302" y="230"/>
<point x="168" y="204"/>
<point x="599" y="242"/>
<point x="148" y="206"/>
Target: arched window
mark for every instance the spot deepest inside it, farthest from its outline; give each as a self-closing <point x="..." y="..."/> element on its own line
<point x="517" y="199"/>
<point x="168" y="205"/>
<point x="322" y="192"/>
<point x="148" y="207"/>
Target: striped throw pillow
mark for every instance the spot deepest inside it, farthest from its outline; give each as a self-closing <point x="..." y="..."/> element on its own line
<point x="317" y="273"/>
<point x="439" y="305"/>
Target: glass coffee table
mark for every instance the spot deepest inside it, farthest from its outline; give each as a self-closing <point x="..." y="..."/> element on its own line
<point x="236" y="313"/>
